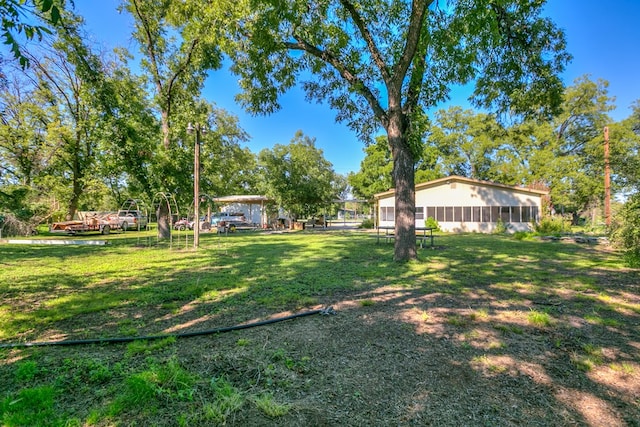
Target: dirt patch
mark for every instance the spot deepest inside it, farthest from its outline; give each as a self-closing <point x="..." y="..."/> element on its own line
<point x="394" y="356"/>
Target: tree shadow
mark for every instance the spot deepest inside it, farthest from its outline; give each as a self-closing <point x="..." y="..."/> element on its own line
<point x="485" y="331"/>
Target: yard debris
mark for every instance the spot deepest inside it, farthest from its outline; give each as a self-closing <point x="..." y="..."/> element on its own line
<point x="327" y="311"/>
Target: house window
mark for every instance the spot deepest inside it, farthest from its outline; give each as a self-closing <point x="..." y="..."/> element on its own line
<point x="476" y="210"/>
<point x="467" y="214"/>
<point x="431" y="212"/>
<point x="515" y="214"/>
<point x="387" y="213"/>
<point x="495" y="213"/>
<point x="505" y="214"/>
<point x="486" y="214"/>
<point x="448" y="213"/>
<point x="534" y="213"/>
<point x="457" y="213"/>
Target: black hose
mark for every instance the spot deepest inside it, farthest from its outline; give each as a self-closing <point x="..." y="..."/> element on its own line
<point x="325" y="311"/>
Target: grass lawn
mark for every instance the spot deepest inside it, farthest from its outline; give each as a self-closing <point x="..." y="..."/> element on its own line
<point x="481" y="330"/>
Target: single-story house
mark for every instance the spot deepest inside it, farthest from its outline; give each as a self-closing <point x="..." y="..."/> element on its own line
<point x="462" y="204"/>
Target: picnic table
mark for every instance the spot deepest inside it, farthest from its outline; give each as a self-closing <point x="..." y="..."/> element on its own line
<point x="422" y="234"/>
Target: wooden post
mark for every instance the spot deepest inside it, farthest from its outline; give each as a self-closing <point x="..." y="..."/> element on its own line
<point x="607" y="180"/>
<point x="196" y="190"/>
<point x="198" y="129"/>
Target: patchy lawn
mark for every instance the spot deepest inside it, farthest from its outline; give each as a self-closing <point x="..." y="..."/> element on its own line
<point x="482" y="330"/>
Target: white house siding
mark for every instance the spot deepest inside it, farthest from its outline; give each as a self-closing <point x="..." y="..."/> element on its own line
<point x="465" y="205"/>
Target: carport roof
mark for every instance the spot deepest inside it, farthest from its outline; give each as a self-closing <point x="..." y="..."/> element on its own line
<point x="244" y="198"/>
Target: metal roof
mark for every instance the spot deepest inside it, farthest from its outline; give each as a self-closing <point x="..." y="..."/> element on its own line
<point x="456" y="178"/>
<point x="243" y="198"/>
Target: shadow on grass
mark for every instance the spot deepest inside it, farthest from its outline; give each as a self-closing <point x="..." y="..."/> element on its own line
<point x="482" y="330"/>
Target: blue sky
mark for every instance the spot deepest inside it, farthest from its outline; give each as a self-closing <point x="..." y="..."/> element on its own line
<point x="602" y="36"/>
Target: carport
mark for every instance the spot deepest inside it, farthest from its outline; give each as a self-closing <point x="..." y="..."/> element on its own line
<point x="253" y="201"/>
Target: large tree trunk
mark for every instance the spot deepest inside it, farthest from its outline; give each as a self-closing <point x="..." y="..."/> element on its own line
<point x="164" y="223"/>
<point x="165" y="129"/>
<point x="405" y="195"/>
<point x="75" y="198"/>
<point x="76" y="190"/>
<point x="71" y="209"/>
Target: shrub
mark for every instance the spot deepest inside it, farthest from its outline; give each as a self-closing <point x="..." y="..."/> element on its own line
<point x="521" y="235"/>
<point x="432" y="223"/>
<point x="367" y="223"/>
<point x="625" y="232"/>
<point x="552" y="225"/>
<point x="501" y="227"/>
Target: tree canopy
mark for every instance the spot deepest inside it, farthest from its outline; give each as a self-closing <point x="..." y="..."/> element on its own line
<point x="19" y="18"/>
<point x="382" y="64"/>
<point x="298" y="176"/>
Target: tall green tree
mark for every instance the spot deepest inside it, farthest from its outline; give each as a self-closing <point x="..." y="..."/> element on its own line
<point x="23" y="126"/>
<point x="570" y="158"/>
<point x="466" y="142"/>
<point x="128" y="138"/>
<point x="374" y="175"/>
<point x="625" y="152"/>
<point x="27" y="19"/>
<point x="179" y="43"/>
<point x="297" y="176"/>
<point x="383" y="63"/>
<point x="23" y="153"/>
<point x="176" y="64"/>
<point x="72" y="125"/>
<point x="625" y="165"/>
<point x="58" y="120"/>
<point x="227" y="167"/>
<point x="82" y="102"/>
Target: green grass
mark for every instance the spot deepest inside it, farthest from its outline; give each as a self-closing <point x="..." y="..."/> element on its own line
<point x="136" y="286"/>
<point x="68" y="282"/>
<point x="31" y="406"/>
<point x="227" y="401"/>
<point x="539" y="318"/>
<point x="267" y="404"/>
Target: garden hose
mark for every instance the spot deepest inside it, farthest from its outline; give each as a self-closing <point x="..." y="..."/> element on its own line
<point x="323" y="311"/>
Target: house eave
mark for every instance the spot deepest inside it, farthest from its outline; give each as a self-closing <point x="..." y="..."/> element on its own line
<point x="456" y="178"/>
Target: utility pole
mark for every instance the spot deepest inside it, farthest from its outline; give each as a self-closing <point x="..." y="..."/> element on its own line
<point x="198" y="129"/>
<point x="607" y="180"/>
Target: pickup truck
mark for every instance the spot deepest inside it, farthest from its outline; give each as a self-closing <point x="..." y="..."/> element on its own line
<point x="230" y="222"/>
<point x="132" y="220"/>
<point x="227" y="217"/>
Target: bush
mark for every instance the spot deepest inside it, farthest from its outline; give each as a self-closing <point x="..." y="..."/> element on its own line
<point x="501" y="227"/>
<point x="552" y="225"/>
<point x="521" y="235"/>
<point x="625" y="231"/>
<point x="432" y="223"/>
<point x="367" y="223"/>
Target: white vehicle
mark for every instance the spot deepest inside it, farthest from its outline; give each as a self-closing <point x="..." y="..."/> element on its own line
<point x="132" y="220"/>
<point x="227" y="217"/>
